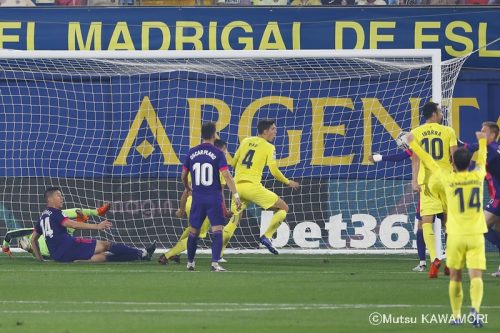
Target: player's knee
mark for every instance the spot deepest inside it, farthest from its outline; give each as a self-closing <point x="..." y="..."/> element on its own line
<point x="475" y="273"/>
<point x="104" y="245"/>
<point x="455" y="275"/>
<point x="281" y="205"/>
<point x="217" y="228"/>
<point x="195" y="232"/>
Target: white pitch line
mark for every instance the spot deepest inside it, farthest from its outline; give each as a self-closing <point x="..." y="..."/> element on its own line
<point x="233" y="305"/>
<point x="168" y="271"/>
<point x="291" y="308"/>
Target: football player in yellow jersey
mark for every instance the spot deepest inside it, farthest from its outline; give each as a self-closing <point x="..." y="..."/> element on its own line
<point x="184" y="208"/>
<point x="466" y="224"/>
<point x="440" y="142"/>
<point x="253" y="154"/>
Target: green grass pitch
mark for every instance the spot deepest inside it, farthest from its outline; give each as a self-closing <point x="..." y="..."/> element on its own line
<point x="261" y="293"/>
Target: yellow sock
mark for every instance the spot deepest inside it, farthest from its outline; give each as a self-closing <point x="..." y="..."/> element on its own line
<point x="278" y="217"/>
<point x="427" y="229"/>
<point x="227" y="233"/>
<point x="181" y="245"/>
<point x="476" y="292"/>
<point x="456" y="297"/>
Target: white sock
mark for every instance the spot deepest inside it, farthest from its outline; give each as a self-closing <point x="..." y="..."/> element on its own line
<point x="423" y="263"/>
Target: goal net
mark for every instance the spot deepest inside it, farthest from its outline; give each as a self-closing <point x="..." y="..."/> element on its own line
<point x="115" y="127"/>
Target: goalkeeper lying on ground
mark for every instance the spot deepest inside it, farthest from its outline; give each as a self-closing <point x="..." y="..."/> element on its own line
<point x="24" y="235"/>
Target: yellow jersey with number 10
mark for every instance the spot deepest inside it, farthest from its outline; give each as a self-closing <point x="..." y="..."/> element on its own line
<point x="436" y="140"/>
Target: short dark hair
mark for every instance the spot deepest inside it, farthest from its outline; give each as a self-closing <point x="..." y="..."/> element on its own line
<point x="220" y="143"/>
<point x="493" y="127"/>
<point x="50" y="191"/>
<point x="208" y="131"/>
<point x="461" y="158"/>
<point x="429" y="108"/>
<point x="264" y="124"/>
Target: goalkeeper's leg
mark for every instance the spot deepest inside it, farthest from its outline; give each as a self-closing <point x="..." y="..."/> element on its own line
<point x="76" y="213"/>
<point x="230" y="227"/>
<point x="14" y="234"/>
<point x="181" y="246"/>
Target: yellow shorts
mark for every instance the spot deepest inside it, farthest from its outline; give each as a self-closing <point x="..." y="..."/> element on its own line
<point x="256" y="193"/>
<point x="465" y="250"/>
<point x="432" y="202"/>
<point x="206" y="223"/>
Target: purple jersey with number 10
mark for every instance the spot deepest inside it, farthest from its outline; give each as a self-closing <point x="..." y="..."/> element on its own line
<point x="205" y="162"/>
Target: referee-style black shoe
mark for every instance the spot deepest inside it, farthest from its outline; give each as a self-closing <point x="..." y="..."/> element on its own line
<point x="150" y="249"/>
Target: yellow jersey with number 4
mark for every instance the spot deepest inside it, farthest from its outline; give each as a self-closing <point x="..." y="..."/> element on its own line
<point x="436" y="140"/>
<point x="253" y="154"/>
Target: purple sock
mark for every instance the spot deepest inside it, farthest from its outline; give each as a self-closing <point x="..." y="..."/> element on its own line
<point x="192" y="244"/>
<point x="216" y="245"/>
<point x="493" y="237"/>
<point x="123" y="257"/>
<point x="122" y="249"/>
<point x="420" y="244"/>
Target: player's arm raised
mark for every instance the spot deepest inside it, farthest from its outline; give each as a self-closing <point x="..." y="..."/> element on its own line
<point x="481" y="154"/>
<point x="453" y="143"/>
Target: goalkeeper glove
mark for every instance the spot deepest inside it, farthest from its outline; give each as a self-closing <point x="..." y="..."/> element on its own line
<point x="6" y="249"/>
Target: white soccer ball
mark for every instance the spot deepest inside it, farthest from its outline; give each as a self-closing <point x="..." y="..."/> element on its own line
<point x="25" y="244"/>
<point x="402" y="141"/>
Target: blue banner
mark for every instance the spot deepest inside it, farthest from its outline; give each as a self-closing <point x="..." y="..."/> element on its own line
<point x="457" y="31"/>
<point x="144" y="125"/>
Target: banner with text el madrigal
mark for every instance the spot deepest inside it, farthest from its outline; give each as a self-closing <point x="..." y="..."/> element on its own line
<point x="457" y="31"/>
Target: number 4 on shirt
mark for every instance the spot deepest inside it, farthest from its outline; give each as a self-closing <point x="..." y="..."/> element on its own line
<point x="247" y="160"/>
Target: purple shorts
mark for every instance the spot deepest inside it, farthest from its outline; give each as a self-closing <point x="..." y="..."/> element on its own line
<point x="199" y="211"/>
<point x="493" y="207"/>
<point x="80" y="249"/>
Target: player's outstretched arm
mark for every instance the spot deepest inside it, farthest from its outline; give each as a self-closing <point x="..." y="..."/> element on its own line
<point x="35" y="247"/>
<point x="481" y="154"/>
<point x="390" y="158"/>
<point x="232" y="187"/>
<point x="104" y="225"/>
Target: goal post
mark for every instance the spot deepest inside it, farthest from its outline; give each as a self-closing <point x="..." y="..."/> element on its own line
<point x="114" y="126"/>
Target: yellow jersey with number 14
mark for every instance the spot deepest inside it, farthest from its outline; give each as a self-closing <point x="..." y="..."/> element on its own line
<point x="250" y="159"/>
<point x="464" y="193"/>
